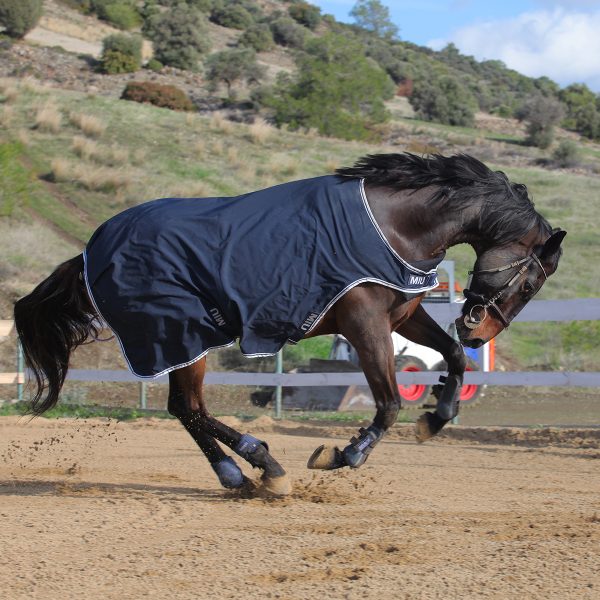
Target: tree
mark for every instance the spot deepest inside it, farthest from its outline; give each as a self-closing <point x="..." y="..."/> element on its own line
<point x="231" y="66"/>
<point x="582" y="113"/>
<point x="566" y="155"/>
<point x="337" y="90"/>
<point x="179" y="35"/>
<point x="19" y="16"/>
<point x="444" y="100"/>
<point x="373" y="16"/>
<point x="286" y="32"/>
<point x="306" y="14"/>
<point x="121" y="53"/>
<point x="541" y="115"/>
<point x="258" y="37"/>
<point x="587" y="121"/>
<point x="232" y="15"/>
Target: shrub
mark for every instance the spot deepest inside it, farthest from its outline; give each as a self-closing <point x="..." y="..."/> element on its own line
<point x="258" y="37"/>
<point x="180" y="36"/>
<point x="114" y="62"/>
<point x="121" y="53"/>
<point x="154" y="65"/>
<point x="122" y="16"/>
<point x="165" y="96"/>
<point x="567" y="154"/>
<point x="231" y="66"/>
<point x="337" y="90"/>
<point x="232" y="15"/>
<point x="305" y="14"/>
<point x="444" y="100"/>
<point x="20" y="16"/>
<point x="83" y="6"/>
<point x="541" y="114"/>
<point x="202" y="5"/>
<point x="286" y="32"/>
<point x="120" y="13"/>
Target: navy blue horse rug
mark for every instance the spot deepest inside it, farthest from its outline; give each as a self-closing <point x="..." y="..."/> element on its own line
<point x="177" y="277"/>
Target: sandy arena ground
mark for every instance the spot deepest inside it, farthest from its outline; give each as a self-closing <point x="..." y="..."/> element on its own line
<point x="100" y="509"/>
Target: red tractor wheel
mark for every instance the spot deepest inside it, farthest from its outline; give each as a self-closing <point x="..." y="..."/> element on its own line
<point x="470" y="392"/>
<point x="414" y="394"/>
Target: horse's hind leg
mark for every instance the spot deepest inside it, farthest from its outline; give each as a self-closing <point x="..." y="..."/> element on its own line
<point x="224" y="466"/>
<point x="188" y="380"/>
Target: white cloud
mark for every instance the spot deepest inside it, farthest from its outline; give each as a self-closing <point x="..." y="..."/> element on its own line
<point x="564" y="45"/>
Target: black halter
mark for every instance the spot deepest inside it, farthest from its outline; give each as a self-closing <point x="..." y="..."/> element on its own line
<point x="471" y="321"/>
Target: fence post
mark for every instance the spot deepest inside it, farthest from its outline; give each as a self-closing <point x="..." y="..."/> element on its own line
<point x="20" y="370"/>
<point x="142" y="385"/>
<point x="278" y="389"/>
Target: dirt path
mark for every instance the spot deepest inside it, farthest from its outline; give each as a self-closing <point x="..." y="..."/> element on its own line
<point x="100" y="509"/>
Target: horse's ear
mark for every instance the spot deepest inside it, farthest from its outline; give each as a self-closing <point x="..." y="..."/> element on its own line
<point x="552" y="244"/>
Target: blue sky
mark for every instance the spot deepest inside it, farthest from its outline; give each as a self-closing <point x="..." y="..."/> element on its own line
<point x="557" y="38"/>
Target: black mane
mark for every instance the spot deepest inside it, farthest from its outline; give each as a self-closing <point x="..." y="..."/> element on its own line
<point x="507" y="213"/>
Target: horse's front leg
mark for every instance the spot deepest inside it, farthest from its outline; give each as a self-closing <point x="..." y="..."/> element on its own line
<point x="373" y="343"/>
<point x="195" y="417"/>
<point x="422" y="329"/>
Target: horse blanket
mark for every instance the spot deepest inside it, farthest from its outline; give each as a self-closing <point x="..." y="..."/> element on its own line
<point x="177" y="277"/>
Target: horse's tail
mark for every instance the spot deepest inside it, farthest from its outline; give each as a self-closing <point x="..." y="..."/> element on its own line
<point x="51" y="322"/>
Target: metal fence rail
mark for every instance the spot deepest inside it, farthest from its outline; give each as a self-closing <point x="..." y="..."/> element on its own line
<point x="540" y="310"/>
<point x="533" y="378"/>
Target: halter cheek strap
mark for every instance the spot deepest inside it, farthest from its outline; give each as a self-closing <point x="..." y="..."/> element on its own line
<point x="471" y="321"/>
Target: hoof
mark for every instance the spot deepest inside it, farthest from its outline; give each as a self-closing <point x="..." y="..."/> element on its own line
<point x="428" y="425"/>
<point x="276" y="486"/>
<point x="326" y="458"/>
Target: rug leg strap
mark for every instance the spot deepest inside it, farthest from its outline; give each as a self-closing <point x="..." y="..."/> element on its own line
<point x="357" y="452"/>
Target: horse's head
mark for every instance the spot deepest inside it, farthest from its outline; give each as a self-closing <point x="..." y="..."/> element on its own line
<point x="503" y="281"/>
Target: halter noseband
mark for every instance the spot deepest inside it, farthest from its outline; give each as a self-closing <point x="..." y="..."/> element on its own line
<point x="471" y="321"/>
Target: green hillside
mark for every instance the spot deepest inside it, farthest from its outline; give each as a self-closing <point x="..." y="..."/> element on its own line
<point x="68" y="161"/>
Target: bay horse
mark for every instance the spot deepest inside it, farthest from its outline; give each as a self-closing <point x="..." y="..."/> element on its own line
<point x="351" y="254"/>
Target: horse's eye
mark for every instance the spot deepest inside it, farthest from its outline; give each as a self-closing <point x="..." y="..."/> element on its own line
<point x="527" y="288"/>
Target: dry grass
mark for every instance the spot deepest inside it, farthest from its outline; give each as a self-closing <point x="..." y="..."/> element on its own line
<point x="89" y="149"/>
<point x="233" y="156"/>
<point x="200" y="147"/>
<point x="64" y="170"/>
<point x="247" y="174"/>
<point x="217" y="148"/>
<point x="84" y="147"/>
<point x="117" y="155"/>
<point x="219" y="122"/>
<point x="331" y="165"/>
<point x="48" y="118"/>
<point x="98" y="179"/>
<point x="7" y="115"/>
<point x="260" y="131"/>
<point x="283" y="164"/>
<point x="88" y="124"/>
<point x="24" y="137"/>
<point x="138" y="156"/>
<point x="104" y="179"/>
<point x="33" y="86"/>
<point x="311" y="133"/>
<point x="191" y="189"/>
<point x="10" y="93"/>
